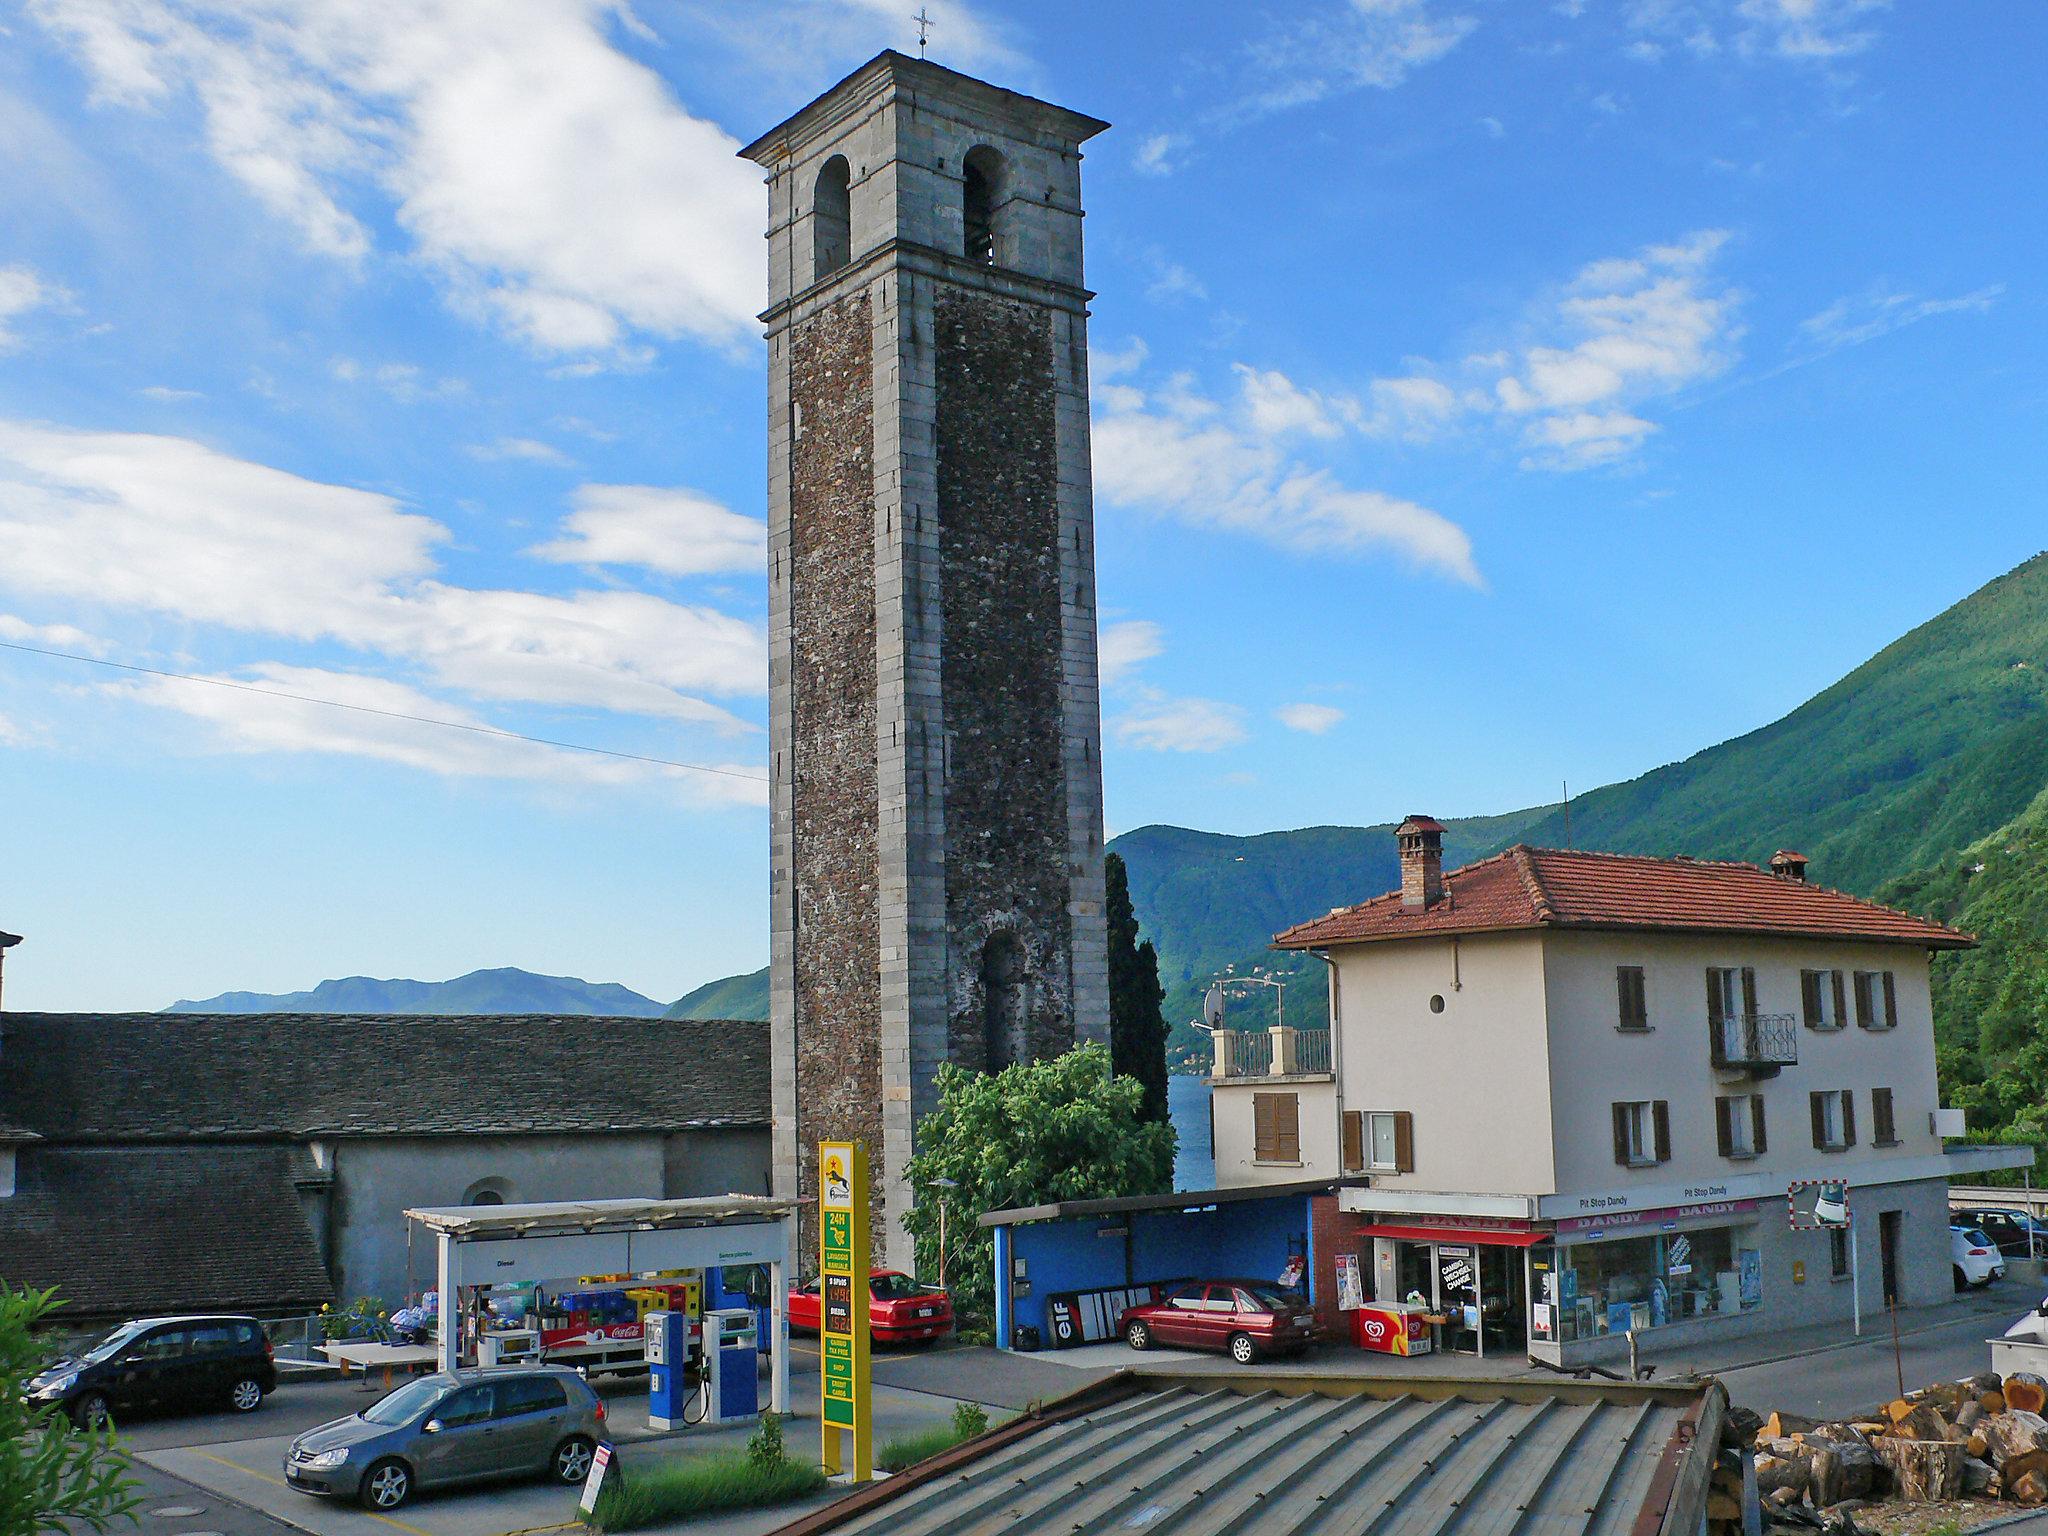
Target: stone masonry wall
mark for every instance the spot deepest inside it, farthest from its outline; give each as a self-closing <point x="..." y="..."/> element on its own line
<point x="837" y="869"/>
<point x="999" y="556"/>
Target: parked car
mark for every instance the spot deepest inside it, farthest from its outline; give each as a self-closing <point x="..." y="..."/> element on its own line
<point x="900" y="1310"/>
<point x="1974" y="1257"/>
<point x="452" y="1428"/>
<point x="2006" y="1227"/>
<point x="163" y="1363"/>
<point x="1242" y="1318"/>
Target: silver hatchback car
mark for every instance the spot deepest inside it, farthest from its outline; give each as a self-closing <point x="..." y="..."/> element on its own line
<point x="459" y="1427"/>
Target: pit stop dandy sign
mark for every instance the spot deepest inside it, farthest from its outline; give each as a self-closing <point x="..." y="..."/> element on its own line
<point x="843" y="1224"/>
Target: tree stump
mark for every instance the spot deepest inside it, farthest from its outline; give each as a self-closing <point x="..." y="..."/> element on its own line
<point x="1923" y="1470"/>
<point x="2012" y="1434"/>
<point x="1838" y="1470"/>
<point x="2025" y="1392"/>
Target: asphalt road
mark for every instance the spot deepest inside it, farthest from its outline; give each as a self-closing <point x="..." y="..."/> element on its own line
<point x="1835" y="1382"/>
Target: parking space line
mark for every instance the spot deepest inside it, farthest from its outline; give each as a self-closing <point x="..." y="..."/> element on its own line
<point x="279" y="1482"/>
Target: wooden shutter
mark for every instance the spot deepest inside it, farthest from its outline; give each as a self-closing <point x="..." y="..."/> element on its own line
<point x="1404" y="1142"/>
<point x="1714" y="1037"/>
<point x="1882" y="1132"/>
<point x="1621" y="1134"/>
<point x="1354" y="1141"/>
<point x="1628" y="982"/>
<point x="1820" y="1121"/>
<point x="1660" y="1112"/>
<point x="1724" y="1132"/>
<point x="1757" y="1144"/>
<point x="1865" y="1012"/>
<point x="1264" y="1109"/>
<point x="1841" y="1000"/>
<point x="1891" y="1002"/>
<point x="1749" y="991"/>
<point x="1809" y="997"/>
<point x="1848" y="1118"/>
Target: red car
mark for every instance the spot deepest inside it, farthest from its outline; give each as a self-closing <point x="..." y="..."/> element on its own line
<point x="900" y="1311"/>
<point x="1241" y="1318"/>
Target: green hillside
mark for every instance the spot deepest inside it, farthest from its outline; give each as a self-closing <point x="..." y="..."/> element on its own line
<point x="1991" y="1002"/>
<point x="1935" y="742"/>
<point x="729" y="997"/>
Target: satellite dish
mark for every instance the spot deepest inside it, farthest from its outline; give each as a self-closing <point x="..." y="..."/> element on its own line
<point x="1212" y="1006"/>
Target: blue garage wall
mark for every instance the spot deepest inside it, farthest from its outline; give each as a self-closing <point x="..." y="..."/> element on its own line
<point x="1245" y="1240"/>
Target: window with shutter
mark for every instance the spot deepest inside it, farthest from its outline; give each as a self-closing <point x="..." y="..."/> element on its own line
<point x="1834" y="1119"/>
<point x="1354" y="1141"/>
<point x="1757" y="1143"/>
<point x="1642" y="1133"/>
<point x="1810" y="999"/>
<point x="1841" y="990"/>
<point x="1404" y="1142"/>
<point x="1621" y="1136"/>
<point x="1891" y="1002"/>
<point x="1660" y="1118"/>
<point x="1634" y="1001"/>
<point x="1866" y="1001"/>
<point x="1286" y="1127"/>
<point x="1737" y="1119"/>
<point x="1724" y="1013"/>
<point x="1264" y="1114"/>
<point x="1882" y="1131"/>
<point x="1724" y="1133"/>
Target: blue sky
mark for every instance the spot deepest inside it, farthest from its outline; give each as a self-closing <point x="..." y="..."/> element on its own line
<point x="1487" y="394"/>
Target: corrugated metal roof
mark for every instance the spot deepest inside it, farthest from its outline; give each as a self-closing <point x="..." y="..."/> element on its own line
<point x="1177" y="1200"/>
<point x="1247" y="1455"/>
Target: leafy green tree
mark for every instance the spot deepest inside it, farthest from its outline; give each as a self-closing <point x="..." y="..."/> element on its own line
<point x="53" y="1477"/>
<point x="1066" y="1128"/>
<point x="1137" y="1024"/>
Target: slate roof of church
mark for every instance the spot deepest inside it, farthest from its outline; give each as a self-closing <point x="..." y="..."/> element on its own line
<point x="135" y="1077"/>
<point x="1551" y="888"/>
<point x="136" y="1231"/>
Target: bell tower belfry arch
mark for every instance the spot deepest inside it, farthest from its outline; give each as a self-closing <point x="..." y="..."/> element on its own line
<point x="936" y="783"/>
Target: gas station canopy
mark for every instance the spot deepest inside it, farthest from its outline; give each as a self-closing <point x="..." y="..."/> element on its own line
<point x="559" y="1216"/>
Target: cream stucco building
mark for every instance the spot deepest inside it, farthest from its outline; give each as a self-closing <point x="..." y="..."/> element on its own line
<point x="1583" y="1085"/>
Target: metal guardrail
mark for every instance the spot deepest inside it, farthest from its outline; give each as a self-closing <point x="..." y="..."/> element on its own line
<point x="1252" y="1053"/>
<point x="1757" y="1040"/>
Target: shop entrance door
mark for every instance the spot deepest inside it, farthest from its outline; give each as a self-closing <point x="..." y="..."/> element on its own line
<point x="1504" y="1305"/>
<point x="1458" y="1296"/>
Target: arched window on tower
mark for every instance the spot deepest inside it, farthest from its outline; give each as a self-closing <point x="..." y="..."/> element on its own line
<point x="981" y="194"/>
<point x="1005" y="1000"/>
<point x="832" y="218"/>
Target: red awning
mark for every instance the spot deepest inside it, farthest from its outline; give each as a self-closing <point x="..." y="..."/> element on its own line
<point x="1459" y="1235"/>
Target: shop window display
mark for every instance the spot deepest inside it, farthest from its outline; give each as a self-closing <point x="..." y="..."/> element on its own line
<point x="1647" y="1282"/>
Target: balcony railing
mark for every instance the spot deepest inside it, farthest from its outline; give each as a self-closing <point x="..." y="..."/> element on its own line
<point x="1269" y="1052"/>
<point x="1757" y="1041"/>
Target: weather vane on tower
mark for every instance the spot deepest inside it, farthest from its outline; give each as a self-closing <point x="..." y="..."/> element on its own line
<point x="924" y="26"/>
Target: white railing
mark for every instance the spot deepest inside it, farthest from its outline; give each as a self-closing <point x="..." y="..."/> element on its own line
<point x="1278" y="1052"/>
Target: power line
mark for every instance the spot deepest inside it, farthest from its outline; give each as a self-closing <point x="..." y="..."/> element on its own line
<point x="389" y="714"/>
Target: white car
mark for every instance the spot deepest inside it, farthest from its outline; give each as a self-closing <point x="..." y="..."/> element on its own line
<point x="1974" y="1257"/>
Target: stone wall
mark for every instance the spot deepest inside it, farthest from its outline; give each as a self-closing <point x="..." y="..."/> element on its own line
<point x="833" y="764"/>
<point x="999" y="557"/>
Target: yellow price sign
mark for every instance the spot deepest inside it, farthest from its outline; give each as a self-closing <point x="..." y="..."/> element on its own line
<point x="843" y="1386"/>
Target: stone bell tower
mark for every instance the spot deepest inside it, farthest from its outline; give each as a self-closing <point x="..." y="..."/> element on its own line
<point x="936" y="734"/>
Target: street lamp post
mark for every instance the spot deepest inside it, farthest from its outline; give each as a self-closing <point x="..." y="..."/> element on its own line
<point x="942" y="1185"/>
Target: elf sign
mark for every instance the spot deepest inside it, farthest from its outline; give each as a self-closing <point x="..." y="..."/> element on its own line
<point x="844" y="1409"/>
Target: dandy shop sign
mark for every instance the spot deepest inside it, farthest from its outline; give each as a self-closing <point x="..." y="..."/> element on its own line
<point x="1670" y="1215"/>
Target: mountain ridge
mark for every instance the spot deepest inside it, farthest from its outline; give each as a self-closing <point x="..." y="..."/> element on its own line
<point x="499" y="989"/>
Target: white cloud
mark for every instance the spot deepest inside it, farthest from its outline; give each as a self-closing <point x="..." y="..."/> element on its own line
<point x="1163" y="724"/>
<point x="1313" y="719"/>
<point x="12" y="735"/>
<point x="22" y="290"/>
<point x="1878" y="311"/>
<point x="1625" y="331"/>
<point x="1122" y="648"/>
<point x="406" y="383"/>
<point x="1352" y="45"/>
<point x="673" y="530"/>
<point x="1106" y="363"/>
<point x="372" y="725"/>
<point x="552" y="182"/>
<point x="1158" y="153"/>
<point x="1172" y="282"/>
<point x="169" y="396"/>
<point x="530" y="450"/>
<point x="168" y="526"/>
<point x="59" y="637"/>
<point x="1808" y="29"/>
<point x="1178" y="453"/>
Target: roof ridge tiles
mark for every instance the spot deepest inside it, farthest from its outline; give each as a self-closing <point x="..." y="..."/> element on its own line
<point x="1532" y="882"/>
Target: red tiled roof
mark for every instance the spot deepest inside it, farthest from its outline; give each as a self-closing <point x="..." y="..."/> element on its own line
<point x="1564" y="888"/>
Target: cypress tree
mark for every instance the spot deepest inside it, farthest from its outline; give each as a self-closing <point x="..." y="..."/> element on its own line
<point x="1137" y="1023"/>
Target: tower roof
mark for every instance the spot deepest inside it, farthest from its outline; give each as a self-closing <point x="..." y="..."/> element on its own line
<point x="921" y="74"/>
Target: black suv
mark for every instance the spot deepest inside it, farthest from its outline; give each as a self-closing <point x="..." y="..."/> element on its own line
<point x="163" y="1362"/>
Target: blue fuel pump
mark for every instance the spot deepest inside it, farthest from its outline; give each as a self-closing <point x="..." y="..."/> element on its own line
<point x="670" y="1383"/>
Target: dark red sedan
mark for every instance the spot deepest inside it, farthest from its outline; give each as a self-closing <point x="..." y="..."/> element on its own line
<point x="1241" y="1318"/>
<point x="900" y="1311"/>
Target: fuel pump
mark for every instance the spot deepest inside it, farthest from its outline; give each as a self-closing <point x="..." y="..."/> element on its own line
<point x="732" y="1355"/>
<point x="671" y="1377"/>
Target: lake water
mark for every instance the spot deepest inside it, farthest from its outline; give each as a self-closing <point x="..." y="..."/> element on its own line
<point x="1187" y="1106"/>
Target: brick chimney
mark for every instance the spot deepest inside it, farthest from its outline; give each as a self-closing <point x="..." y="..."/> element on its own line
<point x="1787" y="865"/>
<point x="7" y="942"/>
<point x="1422" y="862"/>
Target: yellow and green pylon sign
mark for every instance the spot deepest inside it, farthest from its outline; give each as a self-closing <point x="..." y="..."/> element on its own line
<point x="845" y="1409"/>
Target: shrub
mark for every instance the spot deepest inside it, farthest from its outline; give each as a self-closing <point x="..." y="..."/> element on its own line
<point x="969" y="1420"/>
<point x="699" y="1485"/>
<point x="765" y="1450"/>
